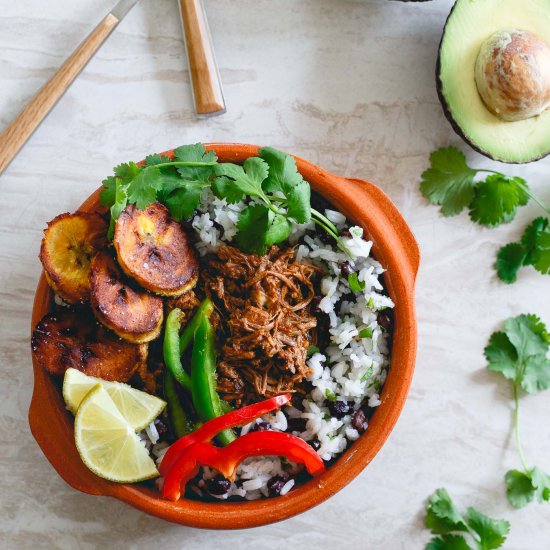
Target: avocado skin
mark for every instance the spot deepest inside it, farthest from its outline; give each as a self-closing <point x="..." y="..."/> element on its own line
<point x="447" y="111"/>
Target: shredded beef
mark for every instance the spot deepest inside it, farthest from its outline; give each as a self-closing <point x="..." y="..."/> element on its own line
<point x="264" y="304"/>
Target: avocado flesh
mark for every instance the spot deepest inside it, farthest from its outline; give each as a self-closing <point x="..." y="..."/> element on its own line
<point x="468" y="25"/>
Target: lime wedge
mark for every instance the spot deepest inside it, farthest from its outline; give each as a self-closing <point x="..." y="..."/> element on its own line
<point x="107" y="443"/>
<point x="137" y="407"/>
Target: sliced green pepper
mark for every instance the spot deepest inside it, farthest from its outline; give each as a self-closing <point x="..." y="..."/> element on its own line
<point x="205" y="309"/>
<point x="203" y="378"/>
<point x="178" y="418"/>
<point x="172" y="349"/>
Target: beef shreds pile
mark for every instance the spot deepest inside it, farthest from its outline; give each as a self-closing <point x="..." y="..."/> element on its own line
<point x="264" y="302"/>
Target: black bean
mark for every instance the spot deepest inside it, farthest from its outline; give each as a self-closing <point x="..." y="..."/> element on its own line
<point x="385" y="321"/>
<point x="297" y="425"/>
<point x="276" y="484"/>
<point x="261" y="427"/>
<point x="339" y="409"/>
<point x="161" y="427"/>
<point x="315" y="304"/>
<point x="218" y="485"/>
<point x="316" y="444"/>
<point x="345" y="268"/>
<point x="359" y="421"/>
<point x="324" y="236"/>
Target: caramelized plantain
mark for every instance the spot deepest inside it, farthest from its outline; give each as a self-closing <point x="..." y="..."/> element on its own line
<point x="154" y="250"/>
<point x="75" y="339"/>
<point x="69" y="244"/>
<point x="134" y="315"/>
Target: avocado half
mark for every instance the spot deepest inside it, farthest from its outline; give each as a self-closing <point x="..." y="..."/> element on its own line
<point x="469" y="25"/>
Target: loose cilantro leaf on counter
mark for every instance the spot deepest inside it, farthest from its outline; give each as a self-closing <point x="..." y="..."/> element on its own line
<point x="533" y="249"/>
<point x="474" y="531"/>
<point x="451" y="184"/>
<point x="520" y="353"/>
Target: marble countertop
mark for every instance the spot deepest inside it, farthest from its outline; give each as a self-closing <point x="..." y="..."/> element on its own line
<point x="346" y="85"/>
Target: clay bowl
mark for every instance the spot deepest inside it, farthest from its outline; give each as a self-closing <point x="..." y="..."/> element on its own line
<point x="397" y="250"/>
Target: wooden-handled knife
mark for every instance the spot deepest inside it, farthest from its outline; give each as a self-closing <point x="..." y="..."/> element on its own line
<point x="27" y="121"/>
<point x="205" y="78"/>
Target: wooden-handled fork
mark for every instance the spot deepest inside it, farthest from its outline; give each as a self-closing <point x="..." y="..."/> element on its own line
<point x="27" y="121"/>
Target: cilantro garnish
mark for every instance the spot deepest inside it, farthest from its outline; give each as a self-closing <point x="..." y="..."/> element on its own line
<point x="533" y="249"/>
<point x="365" y="333"/>
<point x="451" y="184"/>
<point x="278" y="191"/>
<point x="312" y="350"/>
<point x="456" y="531"/>
<point x="519" y="353"/>
<point x="330" y="395"/>
<point x="355" y="284"/>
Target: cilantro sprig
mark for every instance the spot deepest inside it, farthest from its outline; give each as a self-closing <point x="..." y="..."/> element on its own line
<point x="277" y="192"/>
<point x="456" y="531"/>
<point x="533" y="249"/>
<point x="451" y="184"/>
<point x="519" y="353"/>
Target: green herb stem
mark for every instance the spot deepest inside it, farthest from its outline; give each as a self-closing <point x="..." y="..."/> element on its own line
<point x="184" y="163"/>
<point x="516" y="429"/>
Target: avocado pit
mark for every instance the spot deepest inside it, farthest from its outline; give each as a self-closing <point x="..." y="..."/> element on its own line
<point x="512" y="74"/>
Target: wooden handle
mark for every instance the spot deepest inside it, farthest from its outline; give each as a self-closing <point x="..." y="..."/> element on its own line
<point x="205" y="79"/>
<point x="26" y="122"/>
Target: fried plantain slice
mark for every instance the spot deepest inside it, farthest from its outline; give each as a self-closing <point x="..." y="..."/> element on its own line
<point x="69" y="244"/>
<point x="134" y="315"/>
<point x="155" y="250"/>
<point x="74" y="338"/>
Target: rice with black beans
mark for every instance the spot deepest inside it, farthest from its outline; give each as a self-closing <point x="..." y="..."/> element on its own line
<point x="352" y="369"/>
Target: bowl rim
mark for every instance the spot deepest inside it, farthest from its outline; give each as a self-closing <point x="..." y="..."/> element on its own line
<point x="394" y="246"/>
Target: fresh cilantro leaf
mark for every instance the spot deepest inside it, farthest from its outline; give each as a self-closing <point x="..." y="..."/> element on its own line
<point x="183" y="202"/>
<point x="283" y="173"/>
<point x="119" y="204"/>
<point x="536" y="374"/>
<point x="127" y="172"/>
<point x="368" y="374"/>
<point x="528" y="335"/>
<point x="355" y="284"/>
<point x="252" y="226"/>
<point x="492" y="532"/>
<point x="194" y="153"/>
<point x="501" y="355"/>
<point x="152" y="160"/>
<point x="278" y="230"/>
<point x="142" y="190"/>
<point x="247" y="178"/>
<point x="225" y="188"/>
<point x="330" y="395"/>
<point x="283" y="177"/>
<point x="312" y="350"/>
<point x="510" y="259"/>
<point x="449" y="181"/>
<point x="108" y="193"/>
<point x="541" y="484"/>
<point x="539" y="256"/>
<point x="365" y="333"/>
<point x="497" y="199"/>
<point x="442" y="517"/>
<point x="519" y="488"/>
<point x="448" y="542"/>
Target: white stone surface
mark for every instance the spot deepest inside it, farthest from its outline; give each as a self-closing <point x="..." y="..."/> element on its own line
<point x="349" y="86"/>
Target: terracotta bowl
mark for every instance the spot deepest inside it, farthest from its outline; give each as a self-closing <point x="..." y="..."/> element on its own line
<point x="397" y="250"/>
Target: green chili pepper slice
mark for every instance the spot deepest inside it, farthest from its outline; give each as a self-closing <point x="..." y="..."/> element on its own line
<point x="178" y="418"/>
<point x="203" y="378"/>
<point x="172" y="350"/>
<point x="206" y="308"/>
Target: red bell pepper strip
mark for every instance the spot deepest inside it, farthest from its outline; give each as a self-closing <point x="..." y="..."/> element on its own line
<point x="213" y="427"/>
<point x="226" y="459"/>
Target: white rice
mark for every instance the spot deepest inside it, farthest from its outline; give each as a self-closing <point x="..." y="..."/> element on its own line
<point x="351" y="368"/>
